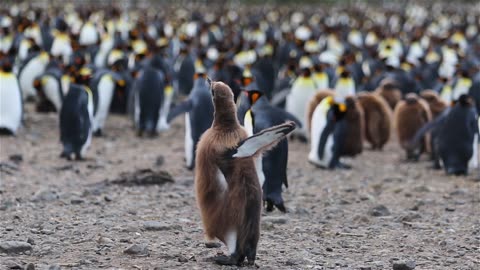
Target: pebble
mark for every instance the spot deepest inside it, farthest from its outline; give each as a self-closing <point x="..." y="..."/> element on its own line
<point x="410" y="217"/>
<point x="30" y="266"/>
<point x="30" y="241"/>
<point x="160" y="226"/>
<point x="45" y="195"/>
<point x="54" y="267"/>
<point x="408" y="265"/>
<point x="14" y="247"/>
<point x="379" y="211"/>
<point x="275" y="220"/>
<point x="449" y="209"/>
<point x="329" y="249"/>
<point x="182" y="259"/>
<point x="137" y="249"/>
<point x="77" y="201"/>
<point x="17" y="158"/>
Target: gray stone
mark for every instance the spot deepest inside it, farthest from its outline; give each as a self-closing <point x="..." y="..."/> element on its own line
<point x="408" y="265"/>
<point x="137" y="249"/>
<point x="77" y="201"/>
<point x="45" y="195"/>
<point x="54" y="267"/>
<point x="182" y="259"/>
<point x="275" y="220"/>
<point x="14" y="247"/>
<point x="379" y="211"/>
<point x="160" y="226"/>
<point x="30" y="266"/>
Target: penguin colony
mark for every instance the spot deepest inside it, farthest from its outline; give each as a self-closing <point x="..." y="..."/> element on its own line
<point x="338" y="79"/>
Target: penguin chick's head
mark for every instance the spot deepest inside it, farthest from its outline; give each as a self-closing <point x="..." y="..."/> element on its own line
<point x="225" y="115"/>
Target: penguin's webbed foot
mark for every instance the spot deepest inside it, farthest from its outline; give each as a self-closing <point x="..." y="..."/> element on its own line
<point x="341" y="166"/>
<point x="227" y="260"/>
<point x="98" y="133"/>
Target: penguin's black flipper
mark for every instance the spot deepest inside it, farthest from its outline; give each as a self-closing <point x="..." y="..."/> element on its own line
<point x="183" y="107"/>
<point x="280" y="97"/>
<point x="327" y="130"/>
<point x="261" y="142"/>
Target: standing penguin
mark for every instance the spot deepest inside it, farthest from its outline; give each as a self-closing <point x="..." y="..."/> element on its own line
<point x="455" y="137"/>
<point x="104" y="84"/>
<point x="330" y="132"/>
<point x="50" y="88"/>
<point x="11" y="106"/>
<point x="409" y="116"/>
<point x="76" y="117"/>
<point x="198" y="109"/>
<point x="149" y="98"/>
<point x="272" y="166"/>
<point x="303" y="89"/>
<point x="378" y="119"/>
<point x="227" y="188"/>
<point x="390" y="92"/>
<point x="34" y="66"/>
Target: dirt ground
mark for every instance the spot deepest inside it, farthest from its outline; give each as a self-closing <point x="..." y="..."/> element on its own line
<point x="72" y="218"/>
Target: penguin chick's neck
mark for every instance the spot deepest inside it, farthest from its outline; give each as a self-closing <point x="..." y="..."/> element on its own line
<point x="225" y="115"/>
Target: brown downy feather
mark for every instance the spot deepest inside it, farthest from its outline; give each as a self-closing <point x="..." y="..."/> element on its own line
<point x="378" y="119"/>
<point x="355" y="129"/>
<point x="236" y="203"/>
<point x="390" y="92"/>
<point x="319" y="96"/>
<point x="436" y="105"/>
<point x="410" y="115"/>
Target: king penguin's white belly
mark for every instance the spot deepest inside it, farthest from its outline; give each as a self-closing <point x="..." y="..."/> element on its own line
<point x="10" y="103"/>
<point x="319" y="121"/>
<point x="162" y="123"/>
<point x="188" y="141"/>
<point x="297" y="103"/>
<point x="105" y="89"/>
<point x="34" y="68"/>
<point x="51" y="88"/>
<point x="473" y="162"/>
<point x="248" y="123"/>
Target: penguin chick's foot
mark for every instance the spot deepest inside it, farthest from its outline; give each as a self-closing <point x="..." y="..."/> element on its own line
<point x="226" y="260"/>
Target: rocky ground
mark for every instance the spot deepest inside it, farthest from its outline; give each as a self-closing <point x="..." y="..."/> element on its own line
<point x="383" y="214"/>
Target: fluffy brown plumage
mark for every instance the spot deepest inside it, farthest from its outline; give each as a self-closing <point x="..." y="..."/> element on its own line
<point x="390" y="92"/>
<point x="356" y="128"/>
<point x="227" y="188"/>
<point x="378" y="118"/>
<point x="436" y="105"/>
<point x="410" y="115"/>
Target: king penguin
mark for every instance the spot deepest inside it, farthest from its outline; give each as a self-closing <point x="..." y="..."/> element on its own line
<point x="32" y="68"/>
<point x="272" y="166"/>
<point x="328" y="134"/>
<point x="50" y="88"/>
<point x="198" y="109"/>
<point x="11" y="106"/>
<point x="149" y="96"/>
<point x="227" y="188"/>
<point x="76" y="118"/>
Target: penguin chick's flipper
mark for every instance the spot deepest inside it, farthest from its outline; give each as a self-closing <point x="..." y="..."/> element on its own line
<point x="262" y="141"/>
<point x="183" y="107"/>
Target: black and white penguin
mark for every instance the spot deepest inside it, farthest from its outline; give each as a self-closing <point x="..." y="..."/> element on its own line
<point x="272" y="166"/>
<point x="328" y="133"/>
<point x="104" y="84"/>
<point x="198" y="109"/>
<point x="50" y="88"/>
<point x="76" y="118"/>
<point x="184" y="70"/>
<point x="33" y="67"/>
<point x="149" y="96"/>
<point x="11" y="103"/>
<point x="303" y="89"/>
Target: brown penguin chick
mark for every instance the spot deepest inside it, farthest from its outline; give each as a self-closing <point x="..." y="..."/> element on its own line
<point x="319" y="96"/>
<point x="390" y="92"/>
<point x="436" y="105"/>
<point x="355" y="129"/>
<point x="378" y="119"/>
<point x="410" y="115"/>
<point x="227" y="188"/>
